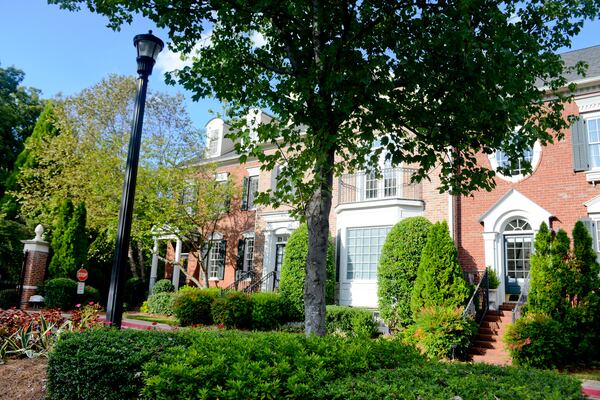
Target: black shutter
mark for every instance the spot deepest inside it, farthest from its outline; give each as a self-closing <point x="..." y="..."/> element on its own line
<point x="222" y="254"/>
<point x="245" y="194"/>
<point x="590" y="225"/>
<point x="579" y="142"/>
<point x="240" y="255"/>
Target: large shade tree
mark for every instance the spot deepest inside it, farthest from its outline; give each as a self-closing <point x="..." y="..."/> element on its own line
<point x="436" y="82"/>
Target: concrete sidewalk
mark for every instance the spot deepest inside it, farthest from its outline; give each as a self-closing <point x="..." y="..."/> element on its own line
<point x="591" y="389"/>
<point x="142" y="325"/>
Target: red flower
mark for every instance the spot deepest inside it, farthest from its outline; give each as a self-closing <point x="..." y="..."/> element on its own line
<point x="155" y="323"/>
<point x="91" y="303"/>
<point x="77" y="305"/>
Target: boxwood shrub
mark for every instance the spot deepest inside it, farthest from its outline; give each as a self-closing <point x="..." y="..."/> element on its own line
<point x="234" y="310"/>
<point x="105" y="363"/>
<point x="163" y="285"/>
<point x="161" y="303"/>
<point x="193" y="305"/>
<point x="351" y="321"/>
<point x="60" y="293"/>
<point x="268" y="311"/>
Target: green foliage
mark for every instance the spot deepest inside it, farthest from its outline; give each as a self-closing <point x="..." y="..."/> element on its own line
<point x="441" y="332"/>
<point x="351" y="321"/>
<point x="90" y="295"/>
<point x="60" y="293"/>
<point x="19" y="109"/>
<point x="443" y="381"/>
<point x="234" y="310"/>
<point x="163" y="285"/>
<point x="537" y="340"/>
<point x="9" y="298"/>
<point x="11" y="248"/>
<point x="439" y="280"/>
<point x="293" y="272"/>
<point x="397" y="271"/>
<point x="238" y="365"/>
<point x="105" y="364"/>
<point x="493" y="279"/>
<point x="194" y="306"/>
<point x="135" y="291"/>
<point x="268" y="311"/>
<point x="161" y="303"/>
<point x="69" y="241"/>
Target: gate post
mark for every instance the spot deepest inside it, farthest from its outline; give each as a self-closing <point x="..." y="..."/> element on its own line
<point x="34" y="268"/>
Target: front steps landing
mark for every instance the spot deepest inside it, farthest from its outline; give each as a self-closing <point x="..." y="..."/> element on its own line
<point x="488" y="346"/>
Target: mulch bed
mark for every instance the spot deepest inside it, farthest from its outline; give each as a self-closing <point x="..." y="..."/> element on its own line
<point x="23" y="379"/>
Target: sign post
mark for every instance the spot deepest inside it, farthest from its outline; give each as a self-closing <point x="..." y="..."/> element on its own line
<point x="82" y="276"/>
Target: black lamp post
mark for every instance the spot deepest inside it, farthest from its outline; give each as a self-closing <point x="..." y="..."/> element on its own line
<point x="148" y="46"/>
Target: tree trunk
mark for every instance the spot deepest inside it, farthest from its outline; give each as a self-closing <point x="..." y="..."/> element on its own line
<point x="131" y="260"/>
<point x="317" y="216"/>
<point x="140" y="252"/>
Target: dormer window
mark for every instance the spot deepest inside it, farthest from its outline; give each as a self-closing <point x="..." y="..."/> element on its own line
<point x="214" y="137"/>
<point x="253" y="119"/>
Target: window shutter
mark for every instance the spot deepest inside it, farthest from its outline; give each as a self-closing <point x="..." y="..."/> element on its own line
<point x="240" y="255"/>
<point x="222" y="249"/>
<point x="579" y="142"/>
<point x="590" y="225"/>
<point x="245" y="194"/>
<point x="274" y="176"/>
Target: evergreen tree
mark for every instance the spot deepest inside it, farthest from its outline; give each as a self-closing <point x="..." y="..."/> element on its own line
<point x="78" y="241"/>
<point x="397" y="271"/>
<point x="549" y="274"/>
<point x="60" y="247"/>
<point x="440" y="279"/>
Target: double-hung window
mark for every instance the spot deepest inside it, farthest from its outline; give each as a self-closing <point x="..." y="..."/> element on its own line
<point x="216" y="259"/>
<point x="363" y="250"/>
<point x="249" y="192"/>
<point x="593" y="136"/>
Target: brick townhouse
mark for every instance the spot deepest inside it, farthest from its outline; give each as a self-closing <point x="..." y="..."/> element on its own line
<point x="492" y="229"/>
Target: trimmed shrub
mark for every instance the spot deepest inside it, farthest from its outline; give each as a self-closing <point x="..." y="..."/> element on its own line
<point x="397" y="270"/>
<point x="440" y="279"/>
<point x="194" y="306"/>
<point x="163" y="285"/>
<point x="537" y="340"/>
<point x="105" y="363"/>
<point x="90" y="294"/>
<point x="351" y="321"/>
<point x="268" y="310"/>
<point x="435" y="381"/>
<point x="493" y="279"/>
<point x="9" y="298"/>
<point x="234" y="310"/>
<point x="241" y="365"/>
<point x="293" y="272"/>
<point x="60" y="293"/>
<point x="135" y="292"/>
<point x="161" y="303"/>
<point x="441" y="332"/>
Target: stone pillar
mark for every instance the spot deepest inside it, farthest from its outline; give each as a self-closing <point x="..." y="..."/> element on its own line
<point x="36" y="259"/>
<point x="154" y="268"/>
<point x="177" y="262"/>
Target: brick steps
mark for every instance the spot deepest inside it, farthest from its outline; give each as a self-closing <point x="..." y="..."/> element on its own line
<point x="488" y="346"/>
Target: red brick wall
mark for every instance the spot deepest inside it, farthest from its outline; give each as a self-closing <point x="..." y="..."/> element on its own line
<point x="553" y="185"/>
<point x="35" y="271"/>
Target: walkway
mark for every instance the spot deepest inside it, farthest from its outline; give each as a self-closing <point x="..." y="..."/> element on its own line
<point x="591" y="389"/>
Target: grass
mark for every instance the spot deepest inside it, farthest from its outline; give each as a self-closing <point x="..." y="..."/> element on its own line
<point x="161" y="319"/>
<point x="591" y="374"/>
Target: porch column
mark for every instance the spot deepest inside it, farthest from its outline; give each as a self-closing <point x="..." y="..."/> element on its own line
<point x="154" y="268"/>
<point x="34" y="266"/>
<point x="490" y="240"/>
<point x="176" y="263"/>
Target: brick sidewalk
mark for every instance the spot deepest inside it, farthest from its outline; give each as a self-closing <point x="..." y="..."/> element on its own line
<point x="591" y="389"/>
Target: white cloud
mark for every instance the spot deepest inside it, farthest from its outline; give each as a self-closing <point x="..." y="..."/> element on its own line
<point x="169" y="60"/>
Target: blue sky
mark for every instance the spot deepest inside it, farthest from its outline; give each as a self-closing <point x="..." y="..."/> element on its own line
<point x="64" y="52"/>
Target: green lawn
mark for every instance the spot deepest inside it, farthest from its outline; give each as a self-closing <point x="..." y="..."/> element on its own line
<point x="161" y="319"/>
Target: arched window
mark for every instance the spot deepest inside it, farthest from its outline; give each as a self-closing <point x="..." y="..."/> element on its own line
<point x="517" y="224"/>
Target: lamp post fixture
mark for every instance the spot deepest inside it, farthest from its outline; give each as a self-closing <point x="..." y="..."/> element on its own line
<point x="148" y="46"/>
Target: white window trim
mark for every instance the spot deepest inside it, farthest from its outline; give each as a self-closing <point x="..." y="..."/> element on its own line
<point x="344" y="277"/>
<point x="592" y="174"/>
<point x="535" y="160"/>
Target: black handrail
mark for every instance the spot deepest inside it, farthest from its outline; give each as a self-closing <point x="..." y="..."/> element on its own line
<point x="268" y="283"/>
<point x="245" y="279"/>
<point x="479" y="303"/>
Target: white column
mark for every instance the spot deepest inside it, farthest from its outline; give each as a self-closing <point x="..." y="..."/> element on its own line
<point x="154" y="268"/>
<point x="492" y="260"/>
<point x="177" y="261"/>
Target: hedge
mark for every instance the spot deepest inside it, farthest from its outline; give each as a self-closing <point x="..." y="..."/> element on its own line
<point x="293" y="272"/>
<point x="9" y="298"/>
<point x="105" y="363"/>
<point x="397" y="270"/>
<point x="112" y="364"/>
<point x="350" y="321"/>
<point x="62" y="293"/>
<point x="163" y="285"/>
<point x="268" y="311"/>
<point x="234" y="310"/>
<point x="194" y="305"/>
<point x="161" y="303"/>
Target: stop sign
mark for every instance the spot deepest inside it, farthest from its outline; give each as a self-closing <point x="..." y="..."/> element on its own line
<point x="82" y="274"/>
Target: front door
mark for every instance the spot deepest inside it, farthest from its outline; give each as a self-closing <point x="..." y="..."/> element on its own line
<point x="279" y="254"/>
<point x="517" y="256"/>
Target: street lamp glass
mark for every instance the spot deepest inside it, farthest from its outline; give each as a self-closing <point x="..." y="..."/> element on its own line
<point x="148" y="45"/>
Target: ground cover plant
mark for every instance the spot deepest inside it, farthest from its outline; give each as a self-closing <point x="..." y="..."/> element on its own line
<point x="350" y="321"/>
<point x="211" y="364"/>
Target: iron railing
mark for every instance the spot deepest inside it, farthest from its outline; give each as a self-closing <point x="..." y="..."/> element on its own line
<point x="392" y="183"/>
<point x="268" y="283"/>
<point x="516" y="312"/>
<point x="242" y="281"/>
<point x="479" y="303"/>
